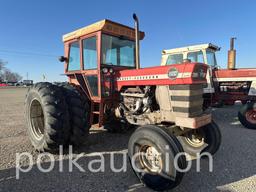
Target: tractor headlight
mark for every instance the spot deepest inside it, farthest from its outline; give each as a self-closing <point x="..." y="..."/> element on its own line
<point x="198" y="73"/>
<point x="105" y="70"/>
<point x="111" y="70"/>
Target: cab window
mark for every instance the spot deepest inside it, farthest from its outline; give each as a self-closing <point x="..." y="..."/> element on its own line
<point x="74" y="57"/>
<point x="93" y="83"/>
<point x="196" y="57"/>
<point x="174" y="59"/>
<point x="211" y="59"/>
<point x="117" y="51"/>
<point x="90" y="53"/>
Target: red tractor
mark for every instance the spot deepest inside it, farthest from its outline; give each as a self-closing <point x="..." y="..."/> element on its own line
<point x="106" y="87"/>
<point x="225" y="86"/>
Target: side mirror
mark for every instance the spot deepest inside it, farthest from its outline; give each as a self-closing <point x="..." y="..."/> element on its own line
<point x="62" y="59"/>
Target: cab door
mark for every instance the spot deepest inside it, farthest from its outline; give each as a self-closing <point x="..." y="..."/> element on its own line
<point x="91" y="71"/>
<point x="89" y="57"/>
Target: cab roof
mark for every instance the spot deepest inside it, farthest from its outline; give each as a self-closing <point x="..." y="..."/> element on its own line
<point x="191" y="48"/>
<point x="105" y="26"/>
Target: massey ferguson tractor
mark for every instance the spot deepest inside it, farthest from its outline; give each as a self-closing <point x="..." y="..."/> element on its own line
<point x="224" y="86"/>
<point x="106" y="87"/>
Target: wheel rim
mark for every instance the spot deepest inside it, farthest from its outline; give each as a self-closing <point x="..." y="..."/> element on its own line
<point x="251" y="116"/>
<point x="195" y="138"/>
<point x="151" y="159"/>
<point x="36" y="119"/>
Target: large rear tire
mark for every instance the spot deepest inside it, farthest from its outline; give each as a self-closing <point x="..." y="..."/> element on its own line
<point x="205" y="139"/>
<point x="79" y="111"/>
<point x="148" y="149"/>
<point x="247" y="115"/>
<point x="47" y="116"/>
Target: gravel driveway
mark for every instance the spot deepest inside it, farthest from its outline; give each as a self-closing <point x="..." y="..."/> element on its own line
<point x="234" y="165"/>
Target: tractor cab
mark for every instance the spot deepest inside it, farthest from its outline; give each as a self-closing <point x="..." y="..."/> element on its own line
<point x="94" y="55"/>
<point x="203" y="53"/>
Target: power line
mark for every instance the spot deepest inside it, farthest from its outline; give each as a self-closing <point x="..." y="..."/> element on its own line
<point x="27" y="53"/>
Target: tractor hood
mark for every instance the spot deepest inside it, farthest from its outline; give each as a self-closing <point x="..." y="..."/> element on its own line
<point x="185" y="73"/>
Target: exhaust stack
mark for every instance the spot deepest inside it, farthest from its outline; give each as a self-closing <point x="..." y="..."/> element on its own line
<point x="137" y="41"/>
<point x="232" y="55"/>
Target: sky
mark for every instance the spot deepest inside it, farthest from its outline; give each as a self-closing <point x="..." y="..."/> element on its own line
<point x="31" y="30"/>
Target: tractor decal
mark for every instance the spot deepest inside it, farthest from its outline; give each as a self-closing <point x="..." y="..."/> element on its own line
<point x="152" y="77"/>
<point x="174" y="73"/>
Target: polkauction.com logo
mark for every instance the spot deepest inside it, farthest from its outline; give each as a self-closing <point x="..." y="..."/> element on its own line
<point x="98" y="162"/>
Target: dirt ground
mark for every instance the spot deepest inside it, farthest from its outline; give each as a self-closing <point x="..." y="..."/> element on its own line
<point x="233" y="171"/>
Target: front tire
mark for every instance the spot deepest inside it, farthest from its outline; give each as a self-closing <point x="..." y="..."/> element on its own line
<point x="148" y="149"/>
<point x="205" y="139"/>
<point x="247" y="115"/>
<point x="47" y="117"/>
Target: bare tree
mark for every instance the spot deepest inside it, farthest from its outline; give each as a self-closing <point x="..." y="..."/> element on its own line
<point x="9" y="76"/>
<point x="2" y="64"/>
<point x="17" y="77"/>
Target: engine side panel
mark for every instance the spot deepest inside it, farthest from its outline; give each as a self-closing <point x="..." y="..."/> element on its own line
<point x="235" y="82"/>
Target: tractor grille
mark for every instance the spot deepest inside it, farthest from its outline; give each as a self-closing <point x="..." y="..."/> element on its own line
<point x="187" y="100"/>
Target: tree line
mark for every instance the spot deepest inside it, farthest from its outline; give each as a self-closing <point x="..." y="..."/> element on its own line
<point x="6" y="75"/>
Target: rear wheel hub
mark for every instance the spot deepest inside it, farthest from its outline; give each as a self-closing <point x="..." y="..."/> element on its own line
<point x="37" y="119"/>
